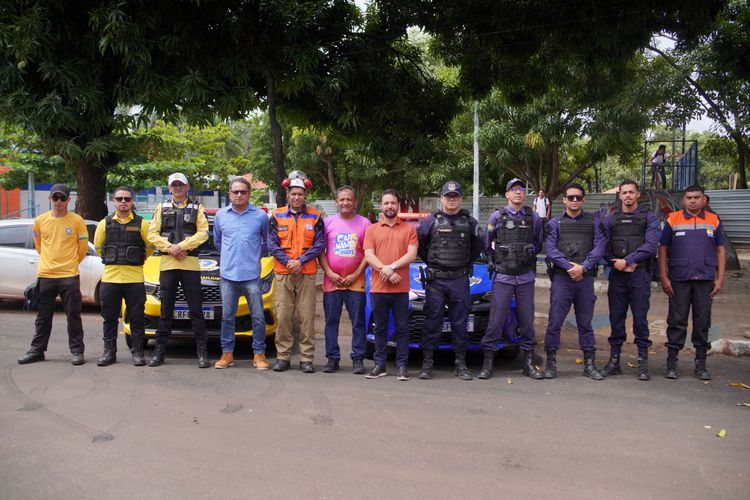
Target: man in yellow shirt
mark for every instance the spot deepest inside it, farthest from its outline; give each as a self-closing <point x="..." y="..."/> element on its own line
<point x="122" y="241"/>
<point x="62" y="241"/>
<point x="178" y="228"/>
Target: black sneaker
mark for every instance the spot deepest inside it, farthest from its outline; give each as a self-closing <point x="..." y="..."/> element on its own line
<point x="281" y="365"/>
<point x="331" y="366"/>
<point x="76" y="358"/>
<point x="358" y="367"/>
<point x="306" y="367"/>
<point x="403" y="374"/>
<point x="31" y="357"/>
<point x="376" y="372"/>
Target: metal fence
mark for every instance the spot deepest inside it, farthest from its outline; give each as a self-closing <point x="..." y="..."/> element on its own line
<point x="733" y="208"/>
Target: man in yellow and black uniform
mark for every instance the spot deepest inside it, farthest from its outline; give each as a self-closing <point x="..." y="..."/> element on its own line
<point x="122" y="241"/>
<point x="178" y="228"/>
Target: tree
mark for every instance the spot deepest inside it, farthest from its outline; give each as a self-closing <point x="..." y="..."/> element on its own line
<point x="714" y="72"/>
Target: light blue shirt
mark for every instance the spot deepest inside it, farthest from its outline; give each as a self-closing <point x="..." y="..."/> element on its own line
<point x="240" y="238"/>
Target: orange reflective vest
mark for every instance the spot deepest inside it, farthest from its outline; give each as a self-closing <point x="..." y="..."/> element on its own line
<point x="296" y="237"/>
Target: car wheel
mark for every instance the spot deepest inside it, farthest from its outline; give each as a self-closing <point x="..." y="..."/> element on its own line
<point x="96" y="294"/>
<point x="510" y="352"/>
<point x="129" y="341"/>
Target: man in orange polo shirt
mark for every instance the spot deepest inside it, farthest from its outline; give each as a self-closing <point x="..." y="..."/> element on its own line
<point x="390" y="246"/>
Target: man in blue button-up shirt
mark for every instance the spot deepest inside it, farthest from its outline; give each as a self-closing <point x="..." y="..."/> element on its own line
<point x="240" y="232"/>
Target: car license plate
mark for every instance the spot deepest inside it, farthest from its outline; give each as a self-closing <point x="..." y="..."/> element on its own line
<point x="469" y="324"/>
<point x="184" y="313"/>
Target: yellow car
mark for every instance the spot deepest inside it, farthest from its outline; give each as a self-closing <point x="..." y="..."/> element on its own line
<point x="211" y="294"/>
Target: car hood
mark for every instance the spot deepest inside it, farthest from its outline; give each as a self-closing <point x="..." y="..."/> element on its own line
<point x="479" y="282"/>
<point x="210" y="266"/>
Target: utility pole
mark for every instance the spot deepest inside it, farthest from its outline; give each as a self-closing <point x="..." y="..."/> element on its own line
<point x="475" y="199"/>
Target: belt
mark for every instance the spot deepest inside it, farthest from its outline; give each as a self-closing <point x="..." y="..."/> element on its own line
<point x="446" y="275"/>
<point x="590" y="272"/>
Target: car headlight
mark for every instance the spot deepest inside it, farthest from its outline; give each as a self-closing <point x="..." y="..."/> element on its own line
<point x="266" y="283"/>
<point x="150" y="288"/>
<point x="486" y="297"/>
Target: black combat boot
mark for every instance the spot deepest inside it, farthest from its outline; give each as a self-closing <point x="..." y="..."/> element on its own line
<point x="139" y="359"/>
<point x="589" y="366"/>
<point x="643" y="369"/>
<point x="672" y="363"/>
<point x="529" y="369"/>
<point x="487" y="365"/>
<point x="202" y="355"/>
<point x="700" y="371"/>
<point x="426" y="372"/>
<point x="157" y="358"/>
<point x="109" y="355"/>
<point x="612" y="367"/>
<point x="461" y="371"/>
<point x="550" y="369"/>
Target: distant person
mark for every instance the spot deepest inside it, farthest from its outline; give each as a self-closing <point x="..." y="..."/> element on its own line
<point x="122" y="241"/>
<point x="240" y="232"/>
<point x="658" y="163"/>
<point x="344" y="281"/>
<point x="691" y="267"/>
<point x="390" y="246"/>
<point x="542" y="206"/>
<point x="178" y="228"/>
<point x="62" y="241"/>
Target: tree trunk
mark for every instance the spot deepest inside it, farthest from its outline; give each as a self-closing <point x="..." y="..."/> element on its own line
<point x="278" y="146"/>
<point x="742" y="153"/>
<point x="91" y="177"/>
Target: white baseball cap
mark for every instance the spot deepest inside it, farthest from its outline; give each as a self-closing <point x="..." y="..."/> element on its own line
<point x="177" y="177"/>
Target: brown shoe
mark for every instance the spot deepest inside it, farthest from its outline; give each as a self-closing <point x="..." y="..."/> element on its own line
<point x="260" y="362"/>
<point x="226" y="360"/>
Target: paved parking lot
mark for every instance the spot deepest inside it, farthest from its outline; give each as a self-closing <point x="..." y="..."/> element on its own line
<point x="180" y="432"/>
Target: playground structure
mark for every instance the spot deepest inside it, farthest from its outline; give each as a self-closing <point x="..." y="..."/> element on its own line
<point x="682" y="167"/>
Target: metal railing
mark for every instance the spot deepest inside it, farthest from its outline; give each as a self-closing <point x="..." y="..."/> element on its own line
<point x="20" y="214"/>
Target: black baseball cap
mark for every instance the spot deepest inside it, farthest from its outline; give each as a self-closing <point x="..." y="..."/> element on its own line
<point x="513" y="182"/>
<point x="60" y="188"/>
<point x="451" y="187"/>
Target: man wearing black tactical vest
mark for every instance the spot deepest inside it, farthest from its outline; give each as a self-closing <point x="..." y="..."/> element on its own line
<point x="633" y="238"/>
<point x="449" y="242"/>
<point x="122" y="241"/>
<point x="513" y="238"/>
<point x="177" y="230"/>
<point x="574" y="244"/>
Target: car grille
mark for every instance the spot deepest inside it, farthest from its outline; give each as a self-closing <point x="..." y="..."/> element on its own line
<point x="416" y="326"/>
<point x="209" y="295"/>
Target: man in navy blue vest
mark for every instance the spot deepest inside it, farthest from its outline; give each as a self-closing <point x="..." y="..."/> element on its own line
<point x="633" y="236"/>
<point x="575" y="243"/>
<point x="691" y="270"/>
<point x="512" y="240"/>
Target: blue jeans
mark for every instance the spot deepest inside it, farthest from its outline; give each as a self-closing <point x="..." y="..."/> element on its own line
<point x="383" y="305"/>
<point x="230" y="294"/>
<point x="333" y="303"/>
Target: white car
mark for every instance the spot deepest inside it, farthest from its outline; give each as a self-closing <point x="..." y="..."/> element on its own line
<point x="19" y="260"/>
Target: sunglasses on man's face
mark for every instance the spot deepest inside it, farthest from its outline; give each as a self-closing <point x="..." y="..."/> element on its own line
<point x="126" y="199"/>
<point x="574" y="197"/>
<point x="59" y="197"/>
<point x="238" y="192"/>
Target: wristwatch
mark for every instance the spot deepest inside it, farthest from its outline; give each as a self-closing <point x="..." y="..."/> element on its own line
<point x="393" y="267"/>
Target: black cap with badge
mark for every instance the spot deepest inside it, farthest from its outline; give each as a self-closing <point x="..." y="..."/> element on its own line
<point x="451" y="187"/>
<point x="61" y="189"/>
<point x="513" y="182"/>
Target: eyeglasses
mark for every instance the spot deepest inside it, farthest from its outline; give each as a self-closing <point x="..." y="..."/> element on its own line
<point x="58" y="197"/>
<point x="126" y="199"/>
<point x="574" y="197"/>
<point x="239" y="192"/>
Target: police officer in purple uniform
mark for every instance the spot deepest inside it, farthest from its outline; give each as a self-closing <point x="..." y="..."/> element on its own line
<point x="575" y="243"/>
<point x="633" y="237"/>
<point x="449" y="242"/>
<point x="512" y="240"/>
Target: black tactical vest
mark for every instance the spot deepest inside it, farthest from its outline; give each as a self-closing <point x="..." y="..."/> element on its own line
<point x="450" y="241"/>
<point x="514" y="244"/>
<point x="179" y="223"/>
<point x="628" y="232"/>
<point x="123" y="244"/>
<point x="576" y="237"/>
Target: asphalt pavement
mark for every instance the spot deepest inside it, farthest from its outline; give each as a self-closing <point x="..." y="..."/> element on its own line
<point x="180" y="432"/>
